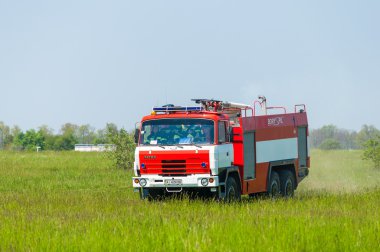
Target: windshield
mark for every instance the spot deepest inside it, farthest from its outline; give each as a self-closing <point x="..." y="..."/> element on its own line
<point x="177" y="131"/>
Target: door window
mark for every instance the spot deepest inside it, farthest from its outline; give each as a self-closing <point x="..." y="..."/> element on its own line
<point x="222" y="133"/>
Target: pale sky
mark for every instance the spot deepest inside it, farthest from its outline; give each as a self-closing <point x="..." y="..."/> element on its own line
<point x="112" y="61"/>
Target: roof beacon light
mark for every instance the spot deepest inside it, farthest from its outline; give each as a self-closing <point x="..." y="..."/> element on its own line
<point x="176" y="109"/>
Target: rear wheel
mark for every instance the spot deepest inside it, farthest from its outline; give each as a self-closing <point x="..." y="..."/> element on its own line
<point x="287" y="184"/>
<point x="257" y="196"/>
<point x="232" y="190"/>
<point x="274" y="185"/>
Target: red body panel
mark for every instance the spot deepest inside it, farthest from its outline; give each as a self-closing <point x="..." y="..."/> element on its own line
<point x="268" y="134"/>
<point x="259" y="184"/>
<point x="174" y="162"/>
<point x="238" y="146"/>
<point x="274" y="122"/>
<point x="266" y="128"/>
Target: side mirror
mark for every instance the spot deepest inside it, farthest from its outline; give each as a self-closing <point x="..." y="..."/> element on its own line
<point x="137" y="134"/>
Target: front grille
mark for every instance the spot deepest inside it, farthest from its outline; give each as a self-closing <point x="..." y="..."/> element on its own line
<point x="173" y="167"/>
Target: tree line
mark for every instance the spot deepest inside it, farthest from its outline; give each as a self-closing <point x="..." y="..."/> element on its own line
<point x="13" y="138"/>
<point x="327" y="137"/>
<point x="331" y="137"/>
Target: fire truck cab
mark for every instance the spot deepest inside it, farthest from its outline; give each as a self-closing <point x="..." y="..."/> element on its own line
<point x="222" y="149"/>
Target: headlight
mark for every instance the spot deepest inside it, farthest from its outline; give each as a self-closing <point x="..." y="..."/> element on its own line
<point x="204" y="181"/>
<point x="143" y="182"/>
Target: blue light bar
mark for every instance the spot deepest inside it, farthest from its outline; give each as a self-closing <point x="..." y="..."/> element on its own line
<point x="176" y="109"/>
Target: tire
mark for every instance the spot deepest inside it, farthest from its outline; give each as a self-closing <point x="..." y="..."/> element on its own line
<point x="144" y="193"/>
<point x="274" y="186"/>
<point x="151" y="194"/>
<point x="233" y="192"/>
<point x="287" y="184"/>
<point x="258" y="196"/>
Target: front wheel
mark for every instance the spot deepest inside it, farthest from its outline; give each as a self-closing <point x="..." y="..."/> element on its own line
<point x="232" y="190"/>
<point x="152" y="194"/>
<point x="143" y="193"/>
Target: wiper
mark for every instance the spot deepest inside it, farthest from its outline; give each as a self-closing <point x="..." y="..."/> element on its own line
<point x="160" y="145"/>
<point x="181" y="145"/>
<point x="196" y="145"/>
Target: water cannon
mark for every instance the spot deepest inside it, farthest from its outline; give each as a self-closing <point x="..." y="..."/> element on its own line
<point x="210" y="104"/>
<point x="218" y="105"/>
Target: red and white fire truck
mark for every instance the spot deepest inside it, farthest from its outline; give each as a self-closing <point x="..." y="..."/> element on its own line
<point x="221" y="148"/>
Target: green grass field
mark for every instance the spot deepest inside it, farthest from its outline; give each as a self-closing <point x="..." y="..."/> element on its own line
<point x="75" y="201"/>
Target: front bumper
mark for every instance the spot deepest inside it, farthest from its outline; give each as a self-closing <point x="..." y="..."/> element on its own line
<point x="191" y="181"/>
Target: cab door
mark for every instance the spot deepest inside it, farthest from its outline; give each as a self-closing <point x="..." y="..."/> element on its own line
<point x="224" y="148"/>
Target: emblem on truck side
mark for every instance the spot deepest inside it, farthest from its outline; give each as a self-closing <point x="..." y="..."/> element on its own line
<point x="275" y="121"/>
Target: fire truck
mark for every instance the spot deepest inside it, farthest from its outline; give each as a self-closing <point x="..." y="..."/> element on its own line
<point x="222" y="149"/>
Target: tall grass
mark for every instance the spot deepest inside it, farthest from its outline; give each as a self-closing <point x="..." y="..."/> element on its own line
<point x="340" y="171"/>
<point x="75" y="201"/>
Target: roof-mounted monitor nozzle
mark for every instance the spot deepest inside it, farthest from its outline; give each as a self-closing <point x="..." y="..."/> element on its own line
<point x="235" y="105"/>
<point x="209" y="104"/>
<point x="217" y="105"/>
